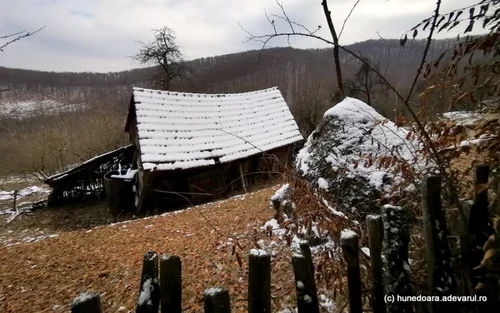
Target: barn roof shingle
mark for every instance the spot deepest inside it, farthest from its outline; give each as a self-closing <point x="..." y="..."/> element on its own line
<point x="184" y="130"/>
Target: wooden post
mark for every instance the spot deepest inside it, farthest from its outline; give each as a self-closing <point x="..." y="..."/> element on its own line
<point x="375" y="239"/>
<point x="87" y="302"/>
<point x="259" y="282"/>
<point x="242" y="178"/>
<point x="350" y="250"/>
<point x="465" y="276"/>
<point x="15" y="200"/>
<point x="149" y="293"/>
<point x="479" y="226"/>
<point x="396" y="268"/>
<point x="478" y="223"/>
<point x="440" y="275"/>
<point x="217" y="300"/>
<point x="305" y="286"/>
<point x="171" y="284"/>
<point x="305" y="249"/>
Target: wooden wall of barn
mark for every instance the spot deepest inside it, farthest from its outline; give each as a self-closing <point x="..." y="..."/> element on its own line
<point x="199" y="185"/>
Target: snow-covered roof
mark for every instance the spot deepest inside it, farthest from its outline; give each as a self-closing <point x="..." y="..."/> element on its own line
<point x="184" y="130"/>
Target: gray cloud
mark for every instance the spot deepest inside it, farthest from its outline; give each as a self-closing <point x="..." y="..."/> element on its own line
<point x="100" y="35"/>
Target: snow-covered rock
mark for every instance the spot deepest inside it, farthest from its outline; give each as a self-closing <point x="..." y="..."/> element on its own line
<point x="351" y="156"/>
<point x="282" y="200"/>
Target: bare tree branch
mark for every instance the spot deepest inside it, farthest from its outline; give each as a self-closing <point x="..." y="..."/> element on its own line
<point x="328" y="16"/>
<point x="285" y="16"/>
<point x="426" y="51"/>
<point x="19" y="37"/>
<point x="348" y="16"/>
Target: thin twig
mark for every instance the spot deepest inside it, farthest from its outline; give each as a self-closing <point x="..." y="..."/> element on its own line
<point x="20" y="37"/>
<point x="426" y="51"/>
<point x="348" y="16"/>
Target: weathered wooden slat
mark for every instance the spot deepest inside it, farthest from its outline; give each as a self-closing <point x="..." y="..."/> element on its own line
<point x="440" y="275"/>
<point x="149" y="293"/>
<point x="217" y="300"/>
<point x="259" y="282"/>
<point x="305" y="286"/>
<point x="171" y="284"/>
<point x="375" y="239"/>
<point x="87" y="302"/>
<point x="350" y="250"/>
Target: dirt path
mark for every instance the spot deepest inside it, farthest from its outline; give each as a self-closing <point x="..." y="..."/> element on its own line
<point x="45" y="276"/>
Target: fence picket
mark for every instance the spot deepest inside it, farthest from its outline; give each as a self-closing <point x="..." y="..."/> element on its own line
<point x="375" y="239"/>
<point x="350" y="250"/>
<point x="171" y="284"/>
<point x="87" y="302"/>
<point x="305" y="286"/>
<point x="440" y="276"/>
<point x="396" y="267"/>
<point x="217" y="300"/>
<point x="259" y="282"/>
<point x="149" y="293"/>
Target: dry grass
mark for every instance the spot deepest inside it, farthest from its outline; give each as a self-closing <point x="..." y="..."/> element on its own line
<point x="47" y="144"/>
<point x="46" y="275"/>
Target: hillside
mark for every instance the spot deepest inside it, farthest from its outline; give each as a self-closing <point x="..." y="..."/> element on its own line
<point x="30" y="93"/>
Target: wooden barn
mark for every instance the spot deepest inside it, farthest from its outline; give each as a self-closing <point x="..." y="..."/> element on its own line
<point x="194" y="147"/>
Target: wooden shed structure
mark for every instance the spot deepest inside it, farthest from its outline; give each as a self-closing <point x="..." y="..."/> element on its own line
<point x="85" y="181"/>
<point x="194" y="147"/>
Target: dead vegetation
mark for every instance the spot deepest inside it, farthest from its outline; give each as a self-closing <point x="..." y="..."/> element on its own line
<point x="55" y="143"/>
<point x="45" y="276"/>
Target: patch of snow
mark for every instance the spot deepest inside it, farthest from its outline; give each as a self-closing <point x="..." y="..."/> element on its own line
<point x="322" y="183"/>
<point x="465" y="118"/>
<point x="347" y="234"/>
<point x="300" y="284"/>
<point x="146" y="290"/>
<point x="24" y="109"/>
<point x="82" y="297"/>
<point x="9" y="195"/>
<point x="258" y="252"/>
<point x="280" y="194"/>
<point x="326" y="303"/>
<point x="366" y="251"/>
<point x="129" y="175"/>
<point x="212" y="291"/>
<point x="274" y="227"/>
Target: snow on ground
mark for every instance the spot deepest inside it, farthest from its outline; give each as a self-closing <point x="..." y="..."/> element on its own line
<point x="23" y="109"/>
<point x="465" y="118"/>
<point x="9" y="194"/>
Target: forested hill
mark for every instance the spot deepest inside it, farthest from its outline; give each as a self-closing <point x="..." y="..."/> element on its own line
<point x="288" y="68"/>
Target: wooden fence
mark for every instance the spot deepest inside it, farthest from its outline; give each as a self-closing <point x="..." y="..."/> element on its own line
<point x="388" y="235"/>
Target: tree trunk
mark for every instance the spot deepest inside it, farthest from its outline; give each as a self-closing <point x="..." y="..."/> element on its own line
<point x="336" y="57"/>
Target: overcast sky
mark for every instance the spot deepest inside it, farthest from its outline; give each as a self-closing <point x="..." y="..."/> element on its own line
<point x="101" y="35"/>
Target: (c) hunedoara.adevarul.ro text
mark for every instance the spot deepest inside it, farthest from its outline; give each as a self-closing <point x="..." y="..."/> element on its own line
<point x="422" y="298"/>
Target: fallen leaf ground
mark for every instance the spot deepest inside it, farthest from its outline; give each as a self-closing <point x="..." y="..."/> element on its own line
<point x="45" y="276"/>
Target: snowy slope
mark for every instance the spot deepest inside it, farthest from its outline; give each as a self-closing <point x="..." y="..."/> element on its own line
<point x="27" y="108"/>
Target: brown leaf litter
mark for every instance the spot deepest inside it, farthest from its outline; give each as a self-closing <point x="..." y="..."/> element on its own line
<point x="45" y="276"/>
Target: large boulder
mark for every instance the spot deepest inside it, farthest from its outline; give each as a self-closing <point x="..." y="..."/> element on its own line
<point x="354" y="156"/>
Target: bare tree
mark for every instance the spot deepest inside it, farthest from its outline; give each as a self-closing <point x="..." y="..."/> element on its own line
<point x="11" y="38"/>
<point x="311" y="100"/>
<point x="165" y="54"/>
<point x="366" y="82"/>
<point x="297" y="29"/>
